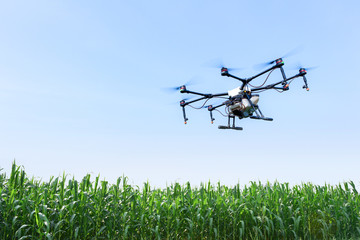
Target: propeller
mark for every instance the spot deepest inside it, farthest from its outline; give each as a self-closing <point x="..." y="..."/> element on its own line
<point x="176" y="89"/>
<point x="301" y="67"/>
<point x="185" y="99"/>
<point x="288" y="54"/>
<point x="219" y="64"/>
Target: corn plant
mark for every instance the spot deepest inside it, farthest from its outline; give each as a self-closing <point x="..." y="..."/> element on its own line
<point x="65" y="208"/>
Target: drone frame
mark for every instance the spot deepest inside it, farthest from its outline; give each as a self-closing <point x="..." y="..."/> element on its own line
<point x="245" y="81"/>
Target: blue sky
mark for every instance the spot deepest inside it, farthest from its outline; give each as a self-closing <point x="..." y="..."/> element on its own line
<point x="81" y="90"/>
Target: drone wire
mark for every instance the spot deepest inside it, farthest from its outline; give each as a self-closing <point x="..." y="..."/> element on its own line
<point x="201" y="106"/>
<point x="220" y="112"/>
<point x="261" y="90"/>
<point x="227" y="110"/>
<point x="264" y="81"/>
<point x="281" y="91"/>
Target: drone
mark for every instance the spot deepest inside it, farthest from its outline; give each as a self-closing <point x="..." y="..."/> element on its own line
<point x="242" y="102"/>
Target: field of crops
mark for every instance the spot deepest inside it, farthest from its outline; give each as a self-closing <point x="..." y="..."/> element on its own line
<point x="92" y="209"/>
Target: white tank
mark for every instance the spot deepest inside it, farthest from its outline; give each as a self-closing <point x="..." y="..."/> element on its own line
<point x="245" y="106"/>
<point x="254" y="99"/>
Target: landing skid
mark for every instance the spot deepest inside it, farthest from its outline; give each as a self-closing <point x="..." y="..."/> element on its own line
<point x="227" y="127"/>
<point x="261" y="118"/>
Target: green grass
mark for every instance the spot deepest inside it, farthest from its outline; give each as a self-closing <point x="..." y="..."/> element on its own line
<point x="92" y="209"/>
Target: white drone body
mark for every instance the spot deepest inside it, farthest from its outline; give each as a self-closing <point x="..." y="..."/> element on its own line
<point x="242" y="105"/>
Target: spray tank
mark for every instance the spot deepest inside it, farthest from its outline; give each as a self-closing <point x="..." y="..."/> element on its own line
<point x="240" y="105"/>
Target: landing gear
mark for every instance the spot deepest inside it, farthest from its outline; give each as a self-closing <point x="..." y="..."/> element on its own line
<point x="259" y="114"/>
<point x="257" y="111"/>
<point x="254" y="109"/>
<point x="226" y="127"/>
<point x="233" y="124"/>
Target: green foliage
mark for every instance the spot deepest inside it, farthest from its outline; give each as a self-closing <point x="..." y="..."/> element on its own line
<point x="67" y="209"/>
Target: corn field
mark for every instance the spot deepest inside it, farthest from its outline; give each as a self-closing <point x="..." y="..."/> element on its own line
<point x="92" y="209"/>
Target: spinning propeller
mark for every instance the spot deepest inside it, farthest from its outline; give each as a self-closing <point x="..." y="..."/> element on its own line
<point x="180" y="88"/>
<point x="219" y="64"/>
<point x="300" y="66"/>
<point x="278" y="60"/>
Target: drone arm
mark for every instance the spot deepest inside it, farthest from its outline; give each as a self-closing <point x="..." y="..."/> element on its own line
<point x="270" y="86"/>
<point x="220" y="94"/>
<point x="273" y="86"/>
<point x="196" y="100"/>
<point x="293" y="77"/>
<point x="263" y="72"/>
<point x="279" y="64"/>
<point x="243" y="80"/>
<point x="246" y="81"/>
<point x="191" y="92"/>
<point x="205" y="95"/>
<point x="220" y="105"/>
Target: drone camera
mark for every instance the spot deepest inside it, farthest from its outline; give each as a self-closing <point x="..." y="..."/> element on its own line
<point x="224" y="71"/>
